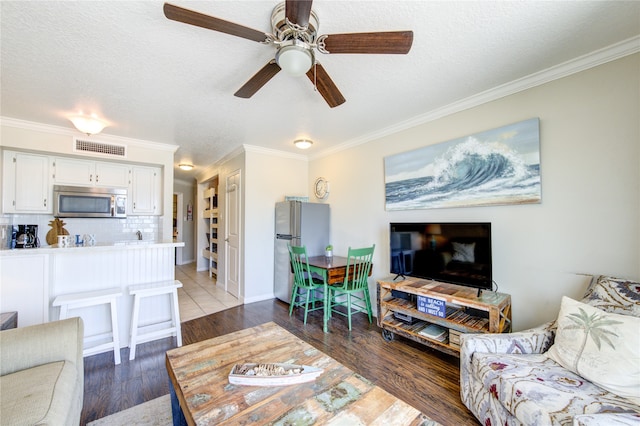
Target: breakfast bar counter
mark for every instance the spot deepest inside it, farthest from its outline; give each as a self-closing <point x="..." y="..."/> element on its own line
<point x="118" y="245"/>
<point x="32" y="278"/>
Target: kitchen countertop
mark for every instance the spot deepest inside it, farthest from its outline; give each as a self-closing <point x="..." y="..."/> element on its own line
<point x="118" y="245"/>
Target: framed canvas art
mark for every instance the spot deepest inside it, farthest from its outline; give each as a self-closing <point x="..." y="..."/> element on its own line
<point x="499" y="166"/>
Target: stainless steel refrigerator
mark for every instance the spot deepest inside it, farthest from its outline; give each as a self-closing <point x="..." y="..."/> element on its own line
<point x="298" y="224"/>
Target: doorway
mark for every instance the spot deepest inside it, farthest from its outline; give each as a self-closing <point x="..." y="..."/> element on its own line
<point x="178" y="219"/>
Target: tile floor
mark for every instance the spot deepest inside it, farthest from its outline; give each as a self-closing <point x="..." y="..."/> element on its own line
<point x="199" y="294"/>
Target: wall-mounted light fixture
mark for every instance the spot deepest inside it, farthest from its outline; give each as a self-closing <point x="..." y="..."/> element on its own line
<point x="89" y="124"/>
<point x="303" y="143"/>
<point x="185" y="166"/>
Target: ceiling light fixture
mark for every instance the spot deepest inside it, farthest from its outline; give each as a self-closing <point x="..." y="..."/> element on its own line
<point x="185" y="166"/>
<point x="295" y="57"/>
<point x="303" y="143"/>
<point x="89" y="124"/>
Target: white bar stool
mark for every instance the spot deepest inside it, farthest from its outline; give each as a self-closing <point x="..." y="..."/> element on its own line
<point x="139" y="291"/>
<point x="94" y="298"/>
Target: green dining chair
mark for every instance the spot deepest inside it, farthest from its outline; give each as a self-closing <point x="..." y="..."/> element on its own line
<point x="353" y="294"/>
<point x="305" y="287"/>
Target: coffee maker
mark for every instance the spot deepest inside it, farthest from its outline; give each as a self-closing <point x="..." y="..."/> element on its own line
<point x="26" y="236"/>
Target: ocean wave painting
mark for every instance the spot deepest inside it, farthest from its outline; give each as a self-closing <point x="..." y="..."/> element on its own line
<point x="499" y="166"/>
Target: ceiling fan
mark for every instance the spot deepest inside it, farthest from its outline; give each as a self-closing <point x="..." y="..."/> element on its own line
<point x="294" y="34"/>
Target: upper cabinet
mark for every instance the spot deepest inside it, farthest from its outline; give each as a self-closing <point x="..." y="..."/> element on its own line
<point x="145" y="191"/>
<point x="28" y="179"/>
<point x="26" y="186"/>
<point x="71" y="171"/>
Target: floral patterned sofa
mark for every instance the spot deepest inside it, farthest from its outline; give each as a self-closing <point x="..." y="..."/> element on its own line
<point x="514" y="379"/>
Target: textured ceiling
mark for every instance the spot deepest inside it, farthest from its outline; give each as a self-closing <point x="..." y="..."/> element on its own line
<point x="164" y="81"/>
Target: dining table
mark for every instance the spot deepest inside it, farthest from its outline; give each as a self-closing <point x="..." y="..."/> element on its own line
<point x="333" y="270"/>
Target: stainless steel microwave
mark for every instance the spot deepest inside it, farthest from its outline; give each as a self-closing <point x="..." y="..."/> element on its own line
<point x="80" y="201"/>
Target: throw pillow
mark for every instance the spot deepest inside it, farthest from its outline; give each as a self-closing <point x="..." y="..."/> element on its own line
<point x="464" y="252"/>
<point x="602" y="347"/>
<point x="615" y="295"/>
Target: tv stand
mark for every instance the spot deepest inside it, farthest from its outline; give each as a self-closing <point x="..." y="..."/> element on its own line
<point x="464" y="310"/>
<point x="399" y="276"/>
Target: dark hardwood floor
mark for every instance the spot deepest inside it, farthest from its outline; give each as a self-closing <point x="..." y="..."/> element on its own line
<point x="426" y="379"/>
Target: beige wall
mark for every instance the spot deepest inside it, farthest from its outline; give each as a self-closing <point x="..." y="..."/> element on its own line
<point x="588" y="221"/>
<point x="269" y="178"/>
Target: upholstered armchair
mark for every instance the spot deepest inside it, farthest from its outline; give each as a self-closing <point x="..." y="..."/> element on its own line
<point x="513" y="379"/>
<point x="42" y="374"/>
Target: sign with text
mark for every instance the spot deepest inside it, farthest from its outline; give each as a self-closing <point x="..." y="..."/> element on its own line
<point x="431" y="306"/>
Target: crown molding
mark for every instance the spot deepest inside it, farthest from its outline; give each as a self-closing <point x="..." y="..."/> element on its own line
<point x="211" y="171"/>
<point x="573" y="66"/>
<point x="102" y="137"/>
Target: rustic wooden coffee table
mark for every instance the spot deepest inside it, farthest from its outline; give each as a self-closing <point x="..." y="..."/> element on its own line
<point x="199" y="374"/>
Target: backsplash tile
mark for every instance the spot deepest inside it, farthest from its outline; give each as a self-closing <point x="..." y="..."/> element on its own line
<point x="105" y="230"/>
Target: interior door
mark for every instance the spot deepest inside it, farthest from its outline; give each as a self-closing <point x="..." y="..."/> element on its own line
<point x="232" y="247"/>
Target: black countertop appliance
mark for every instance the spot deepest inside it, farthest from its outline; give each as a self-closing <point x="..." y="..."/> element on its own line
<point x="26" y="236"/>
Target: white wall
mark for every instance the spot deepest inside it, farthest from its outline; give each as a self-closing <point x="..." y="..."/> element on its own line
<point x="588" y="221"/>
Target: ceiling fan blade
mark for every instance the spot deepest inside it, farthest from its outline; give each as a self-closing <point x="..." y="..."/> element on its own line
<point x="256" y="82"/>
<point x="379" y="42"/>
<point x="198" y="19"/>
<point x="298" y="11"/>
<point x="325" y="85"/>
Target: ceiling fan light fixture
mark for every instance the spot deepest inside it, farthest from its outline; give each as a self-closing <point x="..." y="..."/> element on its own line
<point x="303" y="143"/>
<point x="294" y="58"/>
<point x="185" y="166"/>
<point x="89" y="124"/>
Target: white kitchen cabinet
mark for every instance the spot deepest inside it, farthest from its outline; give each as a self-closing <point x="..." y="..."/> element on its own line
<point x="26" y="187"/>
<point x="112" y="175"/>
<point x="72" y="171"/>
<point x="69" y="171"/>
<point x="145" y="192"/>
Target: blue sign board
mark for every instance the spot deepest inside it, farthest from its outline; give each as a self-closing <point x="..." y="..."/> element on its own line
<point x="431" y="306"/>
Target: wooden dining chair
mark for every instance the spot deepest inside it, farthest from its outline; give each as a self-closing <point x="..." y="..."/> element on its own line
<point x="353" y="293"/>
<point x="305" y="287"/>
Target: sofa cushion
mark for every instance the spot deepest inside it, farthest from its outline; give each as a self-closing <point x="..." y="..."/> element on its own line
<point x="617" y="419"/>
<point x="602" y="347"/>
<point x="614" y="295"/>
<point x="41" y="395"/>
<point x="538" y="391"/>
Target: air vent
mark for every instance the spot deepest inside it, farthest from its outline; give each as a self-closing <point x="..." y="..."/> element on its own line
<point x="100" y="148"/>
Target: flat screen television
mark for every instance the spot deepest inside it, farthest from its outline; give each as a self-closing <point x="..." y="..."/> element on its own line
<point x="457" y="253"/>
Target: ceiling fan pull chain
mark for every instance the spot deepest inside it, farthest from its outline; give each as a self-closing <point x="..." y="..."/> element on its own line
<point x="315" y="76"/>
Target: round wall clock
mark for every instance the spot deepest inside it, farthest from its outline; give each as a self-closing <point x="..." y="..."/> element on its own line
<point x="321" y="188"/>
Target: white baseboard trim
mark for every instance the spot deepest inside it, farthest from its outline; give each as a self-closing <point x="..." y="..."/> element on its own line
<point x="259" y="298"/>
